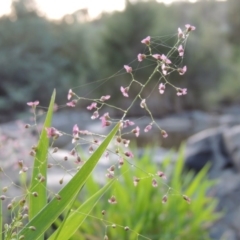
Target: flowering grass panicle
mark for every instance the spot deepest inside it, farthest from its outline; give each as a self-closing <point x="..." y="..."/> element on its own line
<point x="32" y="205"/>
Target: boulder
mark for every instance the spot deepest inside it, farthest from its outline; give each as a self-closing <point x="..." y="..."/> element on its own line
<point x="221" y="147"/>
<point x="207" y="146"/>
<point x="227" y="191"/>
<point x="232" y="142"/>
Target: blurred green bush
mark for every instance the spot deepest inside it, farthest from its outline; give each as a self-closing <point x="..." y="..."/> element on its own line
<point x="141" y="207"/>
<point x="37" y="55"/>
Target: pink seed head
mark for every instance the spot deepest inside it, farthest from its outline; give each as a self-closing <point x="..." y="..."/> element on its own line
<point x="104" y="98"/>
<point x="72" y="103"/>
<point x="112" y="200"/>
<point x="148" y="128"/>
<point x="146" y="40"/>
<point x="164" y="133"/>
<point x="181" y="51"/>
<point x="128" y="68"/>
<point x="190" y="27"/>
<point x="164" y="199"/>
<point x="92" y="106"/>
<point x="154" y="183"/>
<point x="141" y="57"/>
<point x="124" y="91"/>
<point x="70" y="94"/>
<point x="136" y="131"/>
<point x="143" y="103"/>
<point x="161" y="88"/>
<point x="161" y="175"/>
<point x="33" y="104"/>
<point x="180" y="33"/>
<point x="182" y="70"/>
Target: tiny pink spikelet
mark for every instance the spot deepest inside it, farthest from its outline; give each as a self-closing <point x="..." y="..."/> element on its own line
<point x="106" y="155"/>
<point x="182" y="70"/>
<point x="72" y="103"/>
<point x="92" y="106"/>
<point x="136" y="131"/>
<point x="129" y="154"/>
<point x="181" y="51"/>
<point x="148" y="128"/>
<point x="143" y="103"/>
<point x="187" y="199"/>
<point x="161" y="175"/>
<point x="157" y="56"/>
<point x="75" y="130"/>
<point x="128" y="68"/>
<point x="164" y="133"/>
<point x="154" y="183"/>
<point x="70" y="94"/>
<point x="180" y="33"/>
<point x="181" y="91"/>
<point x="104" y="98"/>
<point x="128" y="123"/>
<point x="161" y="88"/>
<point x="126" y="142"/>
<point x="112" y="200"/>
<point x="95" y="115"/>
<point x="164" y="69"/>
<point x="164" y="199"/>
<point x="146" y="40"/>
<point x="105" y="120"/>
<point x="124" y="91"/>
<point x="33" y="104"/>
<point x="190" y="27"/>
<point x="141" y="57"/>
<point x="90" y="149"/>
<point x="106" y="115"/>
<point x="184" y="91"/>
<point x="136" y="181"/>
<point x="53" y="132"/>
<point x="109" y="175"/>
<point x="111" y="169"/>
<point x="165" y="59"/>
<point x="120" y="162"/>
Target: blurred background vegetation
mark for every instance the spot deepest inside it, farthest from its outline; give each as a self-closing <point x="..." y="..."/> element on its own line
<point x="140" y="206"/>
<point x="38" y="54"/>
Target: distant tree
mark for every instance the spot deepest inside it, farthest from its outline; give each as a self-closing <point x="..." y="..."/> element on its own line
<point x="24" y="8"/>
<point x="233" y="18"/>
<point x="37" y="55"/>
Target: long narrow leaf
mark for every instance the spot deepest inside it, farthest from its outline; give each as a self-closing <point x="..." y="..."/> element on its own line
<point x="40" y="167"/>
<point x="1" y="221"/>
<point x="76" y="218"/>
<point x="50" y="213"/>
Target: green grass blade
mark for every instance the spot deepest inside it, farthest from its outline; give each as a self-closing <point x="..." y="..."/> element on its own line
<point x="1" y="221"/>
<point x="50" y="213"/>
<point x="40" y="167"/>
<point x="76" y="218"/>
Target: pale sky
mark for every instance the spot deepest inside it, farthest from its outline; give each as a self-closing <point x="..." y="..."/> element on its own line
<point x="56" y="9"/>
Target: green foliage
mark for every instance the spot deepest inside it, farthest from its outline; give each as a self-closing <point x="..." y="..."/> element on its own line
<point x="43" y="214"/>
<point x="37" y="55"/>
<point x="141" y="207"/>
<point x="40" y="168"/>
<point x="1" y="220"/>
<point x="43" y="220"/>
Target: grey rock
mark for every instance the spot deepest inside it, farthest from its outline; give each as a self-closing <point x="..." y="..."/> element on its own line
<point x="207" y="146"/>
<point x="228" y="192"/>
<point x="232" y="141"/>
